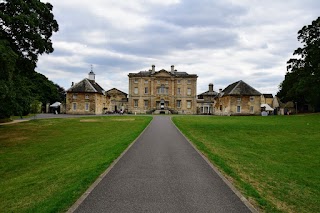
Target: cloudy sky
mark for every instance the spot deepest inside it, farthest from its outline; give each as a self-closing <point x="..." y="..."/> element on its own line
<point x="222" y="41"/>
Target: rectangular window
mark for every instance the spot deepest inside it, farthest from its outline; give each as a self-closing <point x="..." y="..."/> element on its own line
<point x="162" y="90"/>
<point x="74" y="96"/>
<point x="135" y="80"/>
<point x="87" y="107"/>
<point x="188" y="104"/>
<point x="135" y="103"/>
<point x="179" y="91"/>
<point x="178" y="81"/>
<point x="238" y="98"/>
<point x="74" y="106"/>
<point x="178" y="103"/>
<point x="146" y="81"/>
<point x="220" y="107"/>
<point x="252" y="109"/>
<point x="166" y="82"/>
<point x="146" y="103"/>
<point x="158" y="81"/>
<point x="251" y="98"/>
<point x="146" y="90"/>
<point x="189" y="91"/>
<point x="87" y="97"/>
<point x="136" y="90"/>
<point x="189" y="81"/>
<point x="238" y="109"/>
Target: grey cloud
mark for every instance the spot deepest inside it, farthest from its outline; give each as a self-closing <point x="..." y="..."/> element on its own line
<point x="202" y="13"/>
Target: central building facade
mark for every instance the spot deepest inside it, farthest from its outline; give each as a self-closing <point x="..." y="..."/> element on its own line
<point x="162" y="92"/>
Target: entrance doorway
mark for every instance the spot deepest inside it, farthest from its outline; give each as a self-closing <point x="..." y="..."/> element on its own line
<point x="162" y="104"/>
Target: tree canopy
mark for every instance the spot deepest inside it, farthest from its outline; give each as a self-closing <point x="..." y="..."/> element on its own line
<point x="26" y="27"/>
<point x="302" y="81"/>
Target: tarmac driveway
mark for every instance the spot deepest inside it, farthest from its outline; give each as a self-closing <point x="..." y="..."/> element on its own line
<point x="162" y="172"/>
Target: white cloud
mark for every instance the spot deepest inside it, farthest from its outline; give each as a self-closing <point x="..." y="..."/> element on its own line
<point x="220" y="41"/>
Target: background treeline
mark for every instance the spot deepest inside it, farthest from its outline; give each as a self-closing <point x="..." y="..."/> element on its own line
<point x="302" y="81"/>
<point x="25" y="31"/>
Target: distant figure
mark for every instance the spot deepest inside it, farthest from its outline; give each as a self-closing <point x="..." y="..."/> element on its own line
<point x="121" y="112"/>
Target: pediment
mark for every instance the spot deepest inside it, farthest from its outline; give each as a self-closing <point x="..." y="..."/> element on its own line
<point x="162" y="73"/>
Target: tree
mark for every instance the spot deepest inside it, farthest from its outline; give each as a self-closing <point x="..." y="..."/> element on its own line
<point x="26" y="27"/>
<point x="7" y="65"/>
<point x="302" y="81"/>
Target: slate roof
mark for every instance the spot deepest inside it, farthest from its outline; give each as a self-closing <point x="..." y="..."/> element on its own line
<point x="240" y="88"/>
<point x="208" y="93"/>
<point x="267" y="95"/>
<point x="86" y="85"/>
<point x="117" y="90"/>
<point x="149" y="73"/>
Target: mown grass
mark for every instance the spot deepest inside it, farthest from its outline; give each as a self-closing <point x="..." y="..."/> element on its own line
<point x="45" y="165"/>
<point x="274" y="161"/>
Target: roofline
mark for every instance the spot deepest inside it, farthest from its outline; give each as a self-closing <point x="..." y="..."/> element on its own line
<point x="118" y="90"/>
<point x="92" y="86"/>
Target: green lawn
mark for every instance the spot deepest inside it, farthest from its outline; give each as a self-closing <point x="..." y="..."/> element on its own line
<point x="45" y="165"/>
<point x="274" y="161"/>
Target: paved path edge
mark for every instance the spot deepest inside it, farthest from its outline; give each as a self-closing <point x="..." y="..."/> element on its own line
<point x="216" y="170"/>
<point x="99" y="179"/>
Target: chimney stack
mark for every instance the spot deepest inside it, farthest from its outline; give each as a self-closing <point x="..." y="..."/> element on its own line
<point x="172" y="69"/>
<point x="72" y="84"/>
<point x="153" y="69"/>
<point x="220" y="90"/>
<point x="210" y="87"/>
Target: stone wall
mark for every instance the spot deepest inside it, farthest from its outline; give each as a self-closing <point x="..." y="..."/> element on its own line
<point x="238" y="105"/>
<point x="149" y="98"/>
<point x="85" y="103"/>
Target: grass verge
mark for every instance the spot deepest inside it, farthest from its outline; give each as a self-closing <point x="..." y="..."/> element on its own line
<point x="274" y="161"/>
<point x="45" y="165"/>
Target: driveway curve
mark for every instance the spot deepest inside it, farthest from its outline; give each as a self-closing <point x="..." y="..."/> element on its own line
<point x="162" y="172"/>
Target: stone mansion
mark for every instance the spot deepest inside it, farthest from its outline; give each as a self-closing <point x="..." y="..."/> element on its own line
<point x="162" y="92"/>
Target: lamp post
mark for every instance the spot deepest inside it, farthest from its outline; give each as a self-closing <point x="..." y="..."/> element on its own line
<point x="296" y="107"/>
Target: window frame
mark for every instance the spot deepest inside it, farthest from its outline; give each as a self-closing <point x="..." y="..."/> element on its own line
<point x="189" y="104"/>
<point x="178" y="103"/>
<point x="179" y="91"/>
<point x="74" y="106"/>
<point x="251" y="109"/>
<point x="238" y="110"/>
<point x="146" y="103"/>
<point x="189" y="91"/>
<point x="135" y="103"/>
